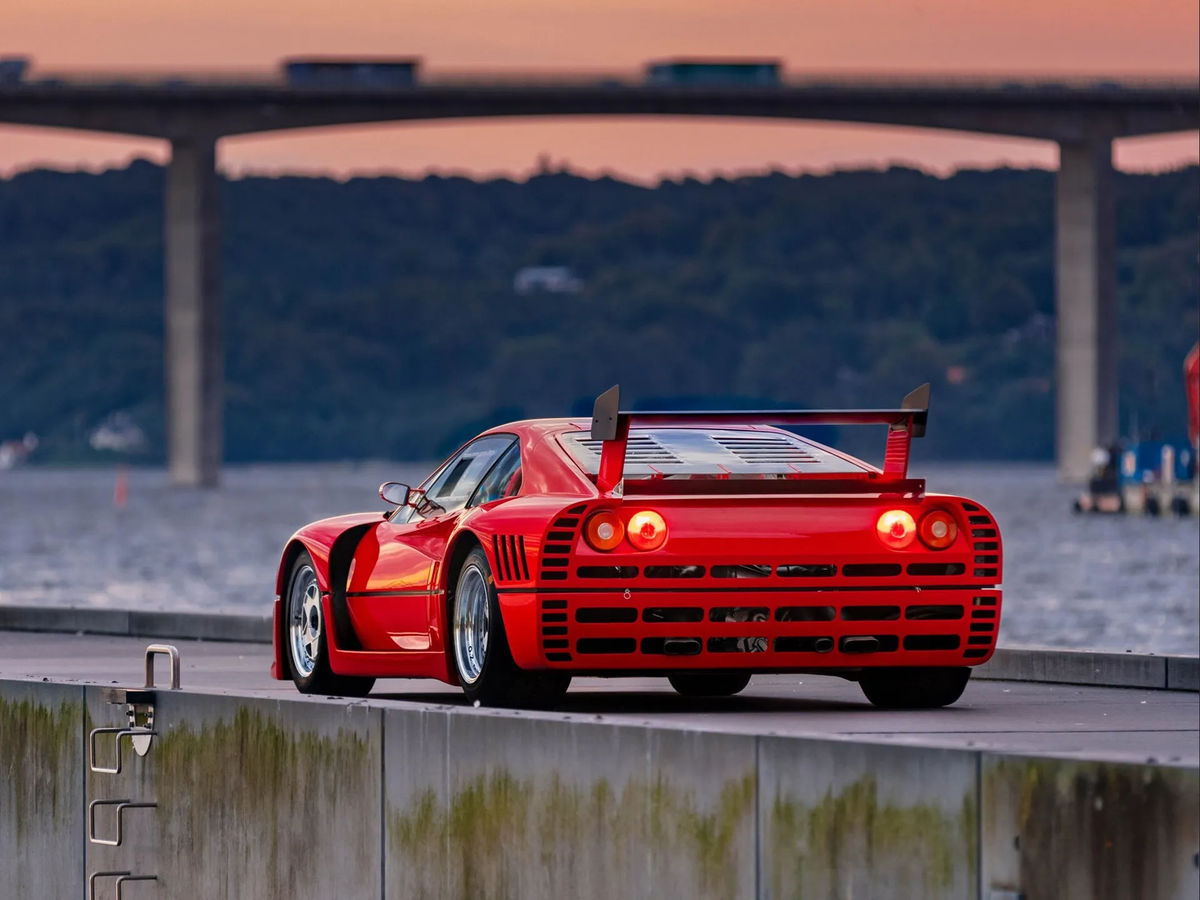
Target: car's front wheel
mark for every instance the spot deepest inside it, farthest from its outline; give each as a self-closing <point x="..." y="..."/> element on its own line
<point x="305" y="633"/>
<point x="709" y="684"/>
<point x="914" y="688"/>
<point x="479" y="647"/>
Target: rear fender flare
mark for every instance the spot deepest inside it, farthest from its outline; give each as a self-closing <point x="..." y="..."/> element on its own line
<point x="332" y="569"/>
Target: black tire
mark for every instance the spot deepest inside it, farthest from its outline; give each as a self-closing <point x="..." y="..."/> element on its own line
<point x="1180" y="506"/>
<point x="1153" y="508"/>
<point x="500" y="681"/>
<point x="321" y="679"/>
<point x="709" y="684"/>
<point x="914" y="688"/>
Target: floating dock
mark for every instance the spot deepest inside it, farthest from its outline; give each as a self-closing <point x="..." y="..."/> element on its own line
<point x="1055" y="784"/>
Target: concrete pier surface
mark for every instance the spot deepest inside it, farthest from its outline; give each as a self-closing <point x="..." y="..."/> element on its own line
<point x="1094" y="723"/>
<point x="798" y="788"/>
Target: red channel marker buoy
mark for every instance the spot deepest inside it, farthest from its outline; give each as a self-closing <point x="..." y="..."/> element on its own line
<point x="121" y="491"/>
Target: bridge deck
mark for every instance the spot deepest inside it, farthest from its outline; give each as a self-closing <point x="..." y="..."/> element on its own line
<point x="1119" y="724"/>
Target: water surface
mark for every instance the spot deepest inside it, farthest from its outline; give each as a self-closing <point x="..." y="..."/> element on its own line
<point x="1071" y="581"/>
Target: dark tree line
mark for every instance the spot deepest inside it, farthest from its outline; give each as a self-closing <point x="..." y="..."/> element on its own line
<point x="377" y="317"/>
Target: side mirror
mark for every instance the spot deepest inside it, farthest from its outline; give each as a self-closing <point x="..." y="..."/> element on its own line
<point x="395" y="493"/>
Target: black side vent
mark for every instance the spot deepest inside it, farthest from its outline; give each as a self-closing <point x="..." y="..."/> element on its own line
<point x="556" y="548"/>
<point x="511" y="564"/>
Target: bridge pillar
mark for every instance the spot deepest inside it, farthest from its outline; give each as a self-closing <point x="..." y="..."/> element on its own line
<point x="1086" y="306"/>
<point x="194" y="352"/>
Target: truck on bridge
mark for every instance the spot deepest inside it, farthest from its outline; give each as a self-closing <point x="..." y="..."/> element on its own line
<point x="342" y="72"/>
<point x="715" y="72"/>
<point x="12" y="69"/>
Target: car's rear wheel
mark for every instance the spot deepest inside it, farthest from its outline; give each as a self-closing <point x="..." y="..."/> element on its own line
<point x="914" y="688"/>
<point x="709" y="684"/>
<point x="304" y="633"/>
<point x="479" y="646"/>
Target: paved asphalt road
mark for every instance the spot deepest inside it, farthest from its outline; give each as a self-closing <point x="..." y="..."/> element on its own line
<point x="1043" y="719"/>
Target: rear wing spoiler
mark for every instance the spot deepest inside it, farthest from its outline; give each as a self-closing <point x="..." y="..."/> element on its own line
<point x="611" y="425"/>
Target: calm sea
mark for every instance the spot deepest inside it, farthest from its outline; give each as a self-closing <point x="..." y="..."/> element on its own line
<point x="1070" y="581"/>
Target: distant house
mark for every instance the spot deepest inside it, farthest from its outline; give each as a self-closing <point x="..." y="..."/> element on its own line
<point x="118" y="433"/>
<point x="552" y="279"/>
<point x="13" y="453"/>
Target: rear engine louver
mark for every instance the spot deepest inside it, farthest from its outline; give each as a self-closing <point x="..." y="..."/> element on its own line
<point x="765" y="449"/>
<point x="639" y="448"/>
<point x="510" y="558"/>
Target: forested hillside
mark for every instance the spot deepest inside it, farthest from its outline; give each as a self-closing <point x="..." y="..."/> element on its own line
<point x="378" y="318"/>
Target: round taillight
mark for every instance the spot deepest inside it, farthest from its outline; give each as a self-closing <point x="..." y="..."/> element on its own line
<point x="603" y="531"/>
<point x="938" y="530"/>
<point x="896" y="528"/>
<point x="647" y="530"/>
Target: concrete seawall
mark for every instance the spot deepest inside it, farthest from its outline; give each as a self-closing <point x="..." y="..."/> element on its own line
<point x="269" y="798"/>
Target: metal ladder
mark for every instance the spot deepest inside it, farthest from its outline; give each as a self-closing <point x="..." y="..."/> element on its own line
<point x="139" y="707"/>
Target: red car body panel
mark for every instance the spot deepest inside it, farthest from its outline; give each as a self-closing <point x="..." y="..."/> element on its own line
<point x="759" y="576"/>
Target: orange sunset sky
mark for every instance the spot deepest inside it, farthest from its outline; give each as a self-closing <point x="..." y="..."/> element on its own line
<point x="1018" y="38"/>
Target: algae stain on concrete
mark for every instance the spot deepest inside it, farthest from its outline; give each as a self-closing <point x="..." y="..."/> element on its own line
<point x="829" y="848"/>
<point x="249" y="801"/>
<point x="500" y="836"/>
<point x="41" y="759"/>
<point x="1092" y="829"/>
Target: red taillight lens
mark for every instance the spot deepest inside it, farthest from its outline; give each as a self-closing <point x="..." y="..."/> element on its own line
<point x="647" y="530"/>
<point x="938" y="530"/>
<point x="603" y="531"/>
<point x="896" y="529"/>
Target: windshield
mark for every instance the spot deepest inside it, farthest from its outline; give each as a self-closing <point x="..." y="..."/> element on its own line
<point x="712" y="453"/>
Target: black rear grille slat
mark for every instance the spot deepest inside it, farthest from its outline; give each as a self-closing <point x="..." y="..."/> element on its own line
<point x="979" y="520"/>
<point x="737" y="645"/>
<point x="673" y="571"/>
<point x="934" y="569"/>
<point x="654" y="614"/>
<point x="805" y="614"/>
<point x="987" y="545"/>
<point x="739" y="614"/>
<point x="561" y="536"/>
<point x="606" y="572"/>
<point x="974" y="653"/>
<point x="745" y="570"/>
<point x="606" y="614"/>
<point x="806" y="571"/>
<point x="871" y="570"/>
<point x="928" y="613"/>
<point x="870" y="613"/>
<point x="804" y="644"/>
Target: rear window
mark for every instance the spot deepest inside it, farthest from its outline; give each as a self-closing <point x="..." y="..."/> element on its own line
<point x="705" y="453"/>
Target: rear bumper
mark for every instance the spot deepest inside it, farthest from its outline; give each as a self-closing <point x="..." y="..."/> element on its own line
<point x="775" y="630"/>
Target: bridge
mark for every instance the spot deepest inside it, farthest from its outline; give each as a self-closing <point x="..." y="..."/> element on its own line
<point x="1083" y="118"/>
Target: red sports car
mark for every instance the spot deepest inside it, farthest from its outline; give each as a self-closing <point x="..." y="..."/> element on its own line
<point x="702" y="546"/>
